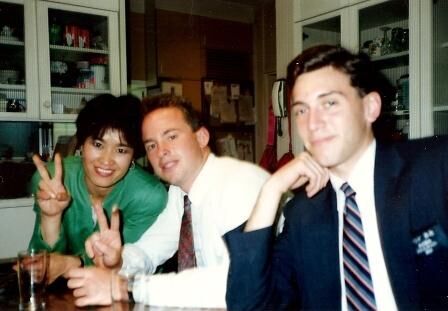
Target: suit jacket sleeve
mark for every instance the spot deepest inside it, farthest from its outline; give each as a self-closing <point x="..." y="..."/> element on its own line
<point x="261" y="275"/>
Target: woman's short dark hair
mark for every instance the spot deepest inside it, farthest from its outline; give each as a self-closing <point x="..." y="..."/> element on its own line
<point x="363" y="75"/>
<point x="108" y="112"/>
<point x="191" y="116"/>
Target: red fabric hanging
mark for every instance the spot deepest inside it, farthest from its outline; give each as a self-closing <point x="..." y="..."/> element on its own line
<point x="269" y="157"/>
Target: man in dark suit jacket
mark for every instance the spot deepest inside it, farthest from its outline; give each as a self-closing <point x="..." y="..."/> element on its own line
<point x="401" y="191"/>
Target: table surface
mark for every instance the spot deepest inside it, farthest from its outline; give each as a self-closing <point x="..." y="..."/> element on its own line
<point x="60" y="298"/>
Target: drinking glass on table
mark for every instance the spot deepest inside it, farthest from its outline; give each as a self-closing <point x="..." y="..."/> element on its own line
<point x="31" y="272"/>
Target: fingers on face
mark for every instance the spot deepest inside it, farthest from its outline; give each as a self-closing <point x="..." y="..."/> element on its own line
<point x="318" y="177"/>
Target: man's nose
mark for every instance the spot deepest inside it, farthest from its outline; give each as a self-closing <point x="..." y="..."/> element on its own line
<point x="162" y="149"/>
<point x="314" y="119"/>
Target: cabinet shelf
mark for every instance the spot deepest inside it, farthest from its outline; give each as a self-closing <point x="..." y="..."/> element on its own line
<point x="4" y="41"/>
<point x="397" y="112"/>
<point x="390" y="56"/>
<point x="12" y="86"/>
<point x="81" y="50"/>
<point x="441" y="108"/>
<point x="72" y="90"/>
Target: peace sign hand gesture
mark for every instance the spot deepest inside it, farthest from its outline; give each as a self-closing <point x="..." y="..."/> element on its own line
<point x="51" y="195"/>
<point x="104" y="247"/>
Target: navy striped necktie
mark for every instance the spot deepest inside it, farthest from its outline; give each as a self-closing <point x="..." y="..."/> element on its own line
<point x="358" y="281"/>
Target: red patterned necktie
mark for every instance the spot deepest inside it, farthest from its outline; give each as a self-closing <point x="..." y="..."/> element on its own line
<point x="186" y="257"/>
<point x="358" y="281"/>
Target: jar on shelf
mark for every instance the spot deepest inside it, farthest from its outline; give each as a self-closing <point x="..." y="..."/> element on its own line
<point x="55" y="34"/>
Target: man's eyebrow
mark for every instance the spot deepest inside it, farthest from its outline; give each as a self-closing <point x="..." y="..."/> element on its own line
<point x="298" y="102"/>
<point x="163" y="134"/>
<point x="331" y="93"/>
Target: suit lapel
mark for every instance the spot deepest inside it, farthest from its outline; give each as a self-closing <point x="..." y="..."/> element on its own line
<point x="392" y="184"/>
<point x="319" y="250"/>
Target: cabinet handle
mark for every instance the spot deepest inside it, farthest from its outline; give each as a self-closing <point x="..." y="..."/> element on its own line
<point x="47" y="104"/>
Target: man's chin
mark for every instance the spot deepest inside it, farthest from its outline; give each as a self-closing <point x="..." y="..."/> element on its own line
<point x="324" y="161"/>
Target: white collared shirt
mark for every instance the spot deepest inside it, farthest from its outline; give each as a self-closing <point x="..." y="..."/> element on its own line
<point x="361" y="180"/>
<point x="222" y="198"/>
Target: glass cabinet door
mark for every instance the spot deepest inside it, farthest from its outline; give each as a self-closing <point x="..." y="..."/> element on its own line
<point x="18" y="68"/>
<point x="321" y="30"/>
<point x="440" y="67"/>
<point x="384" y="35"/>
<point x="79" y="53"/>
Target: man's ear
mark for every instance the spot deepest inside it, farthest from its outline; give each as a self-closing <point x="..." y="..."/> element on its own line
<point x="372" y="104"/>
<point x="202" y="136"/>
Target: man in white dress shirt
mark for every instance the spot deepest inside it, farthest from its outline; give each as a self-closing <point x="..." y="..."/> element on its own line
<point x="223" y="192"/>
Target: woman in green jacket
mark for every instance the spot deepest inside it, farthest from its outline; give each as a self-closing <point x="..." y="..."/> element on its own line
<point x="105" y="175"/>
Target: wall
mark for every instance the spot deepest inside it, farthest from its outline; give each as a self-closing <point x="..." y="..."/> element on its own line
<point x="259" y="19"/>
<point x="264" y="69"/>
<point x="285" y="53"/>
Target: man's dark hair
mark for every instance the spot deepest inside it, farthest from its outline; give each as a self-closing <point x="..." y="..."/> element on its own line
<point x="108" y="112"/>
<point x="361" y="71"/>
<point x="191" y="116"/>
<point x="364" y="77"/>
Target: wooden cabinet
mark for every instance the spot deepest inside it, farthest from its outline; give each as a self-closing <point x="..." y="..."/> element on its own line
<point x="192" y="47"/>
<point x="225" y="35"/>
<point x="183" y="39"/>
<point x="178" y="45"/>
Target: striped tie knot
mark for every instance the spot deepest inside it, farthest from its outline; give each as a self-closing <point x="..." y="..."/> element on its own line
<point x="348" y="191"/>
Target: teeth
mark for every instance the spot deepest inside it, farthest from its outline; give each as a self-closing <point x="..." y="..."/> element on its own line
<point x="104" y="171"/>
<point x="168" y="165"/>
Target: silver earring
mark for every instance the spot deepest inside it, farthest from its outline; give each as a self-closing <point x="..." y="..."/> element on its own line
<point x="132" y="165"/>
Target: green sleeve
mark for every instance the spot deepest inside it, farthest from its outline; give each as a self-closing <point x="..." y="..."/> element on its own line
<point x="143" y="211"/>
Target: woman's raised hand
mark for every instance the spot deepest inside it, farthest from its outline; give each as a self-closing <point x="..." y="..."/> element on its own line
<point x="51" y="195"/>
<point x="104" y="247"/>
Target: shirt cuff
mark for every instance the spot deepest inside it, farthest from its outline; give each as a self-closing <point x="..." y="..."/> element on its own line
<point x="135" y="261"/>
